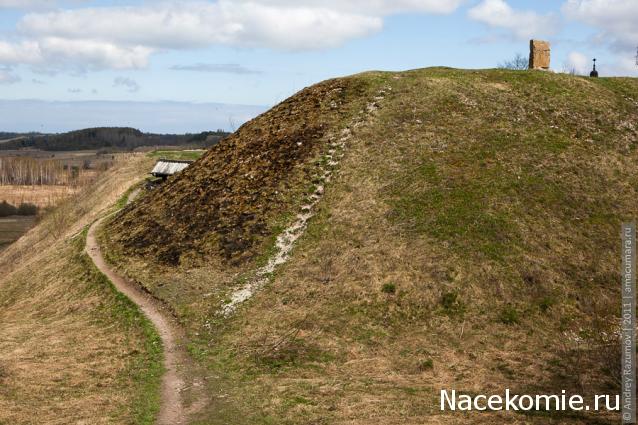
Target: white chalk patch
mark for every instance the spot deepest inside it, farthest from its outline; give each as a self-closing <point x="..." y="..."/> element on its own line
<point x="286" y="240"/>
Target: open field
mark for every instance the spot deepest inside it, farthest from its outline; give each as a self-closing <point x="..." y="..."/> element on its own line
<point x="42" y="196"/>
<point x="188" y="154"/>
<point x="49" y="195"/>
<point x="11" y="228"/>
<point x="70" y="158"/>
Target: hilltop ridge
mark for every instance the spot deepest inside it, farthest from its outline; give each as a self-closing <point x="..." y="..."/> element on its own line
<point x="467" y="240"/>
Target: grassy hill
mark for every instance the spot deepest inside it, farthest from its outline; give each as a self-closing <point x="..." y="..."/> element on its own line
<point x="469" y="241"/>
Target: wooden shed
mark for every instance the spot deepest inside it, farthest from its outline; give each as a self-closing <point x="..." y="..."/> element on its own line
<point x="167" y="167"/>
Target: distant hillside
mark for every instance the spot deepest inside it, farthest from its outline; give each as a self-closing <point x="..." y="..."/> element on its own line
<point x="8" y="136"/>
<point x="111" y="138"/>
<point x="469" y="240"/>
<point x="4" y="135"/>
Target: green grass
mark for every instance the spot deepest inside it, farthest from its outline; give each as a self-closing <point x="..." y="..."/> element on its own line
<point x="145" y="368"/>
<point x="427" y="364"/>
<point x="123" y="200"/>
<point x="389" y="288"/>
<point x="183" y="155"/>
<point x="509" y="316"/>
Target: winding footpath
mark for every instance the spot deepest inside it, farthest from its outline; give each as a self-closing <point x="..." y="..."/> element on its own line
<point x="172" y="410"/>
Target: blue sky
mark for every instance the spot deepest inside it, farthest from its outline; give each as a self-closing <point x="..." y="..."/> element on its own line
<point x="258" y="52"/>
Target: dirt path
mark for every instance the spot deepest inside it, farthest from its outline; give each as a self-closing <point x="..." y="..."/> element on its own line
<point x="172" y="409"/>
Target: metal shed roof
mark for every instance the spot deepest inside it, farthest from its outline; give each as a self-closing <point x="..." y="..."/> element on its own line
<point x="167" y="167"/>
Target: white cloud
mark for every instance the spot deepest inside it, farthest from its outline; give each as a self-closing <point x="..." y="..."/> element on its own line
<point x="371" y="7"/>
<point x="220" y="68"/>
<point x="191" y="25"/>
<point x="54" y="53"/>
<point x="520" y="24"/>
<point x="616" y="19"/>
<point x="25" y="4"/>
<point x="24" y="52"/>
<point x="131" y="85"/>
<point x="125" y="37"/>
<point x="577" y="63"/>
<point x="623" y="66"/>
<point x="95" y="53"/>
<point x="7" y="77"/>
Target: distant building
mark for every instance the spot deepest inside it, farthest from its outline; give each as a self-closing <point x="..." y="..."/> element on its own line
<point x="167" y="167"/>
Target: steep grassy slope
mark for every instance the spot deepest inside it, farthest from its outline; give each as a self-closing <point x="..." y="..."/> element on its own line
<point x="469" y="241"/>
<point x="224" y="204"/>
<point x="73" y="351"/>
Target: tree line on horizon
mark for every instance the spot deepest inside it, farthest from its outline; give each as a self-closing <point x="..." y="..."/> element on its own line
<point x="113" y="138"/>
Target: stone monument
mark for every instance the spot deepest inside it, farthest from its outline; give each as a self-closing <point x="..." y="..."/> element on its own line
<point x="539" y="54"/>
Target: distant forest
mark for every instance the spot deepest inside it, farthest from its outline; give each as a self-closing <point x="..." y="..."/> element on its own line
<point x="5" y="135"/>
<point x="109" y="138"/>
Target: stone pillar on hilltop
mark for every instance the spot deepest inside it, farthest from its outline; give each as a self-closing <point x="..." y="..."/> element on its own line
<point x="539" y="54"/>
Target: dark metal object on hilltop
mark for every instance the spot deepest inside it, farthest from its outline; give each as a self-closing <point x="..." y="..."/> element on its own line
<point x="594" y="73"/>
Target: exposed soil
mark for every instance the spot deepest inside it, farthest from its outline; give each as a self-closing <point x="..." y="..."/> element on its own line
<point x="224" y="203"/>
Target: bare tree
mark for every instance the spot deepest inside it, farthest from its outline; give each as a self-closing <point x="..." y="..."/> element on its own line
<point x="569" y="69"/>
<point x="30" y="171"/>
<point x="231" y="122"/>
<point x="518" y="62"/>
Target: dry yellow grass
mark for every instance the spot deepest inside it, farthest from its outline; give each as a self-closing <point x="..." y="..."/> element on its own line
<point x="73" y="350"/>
<point x="42" y="196"/>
